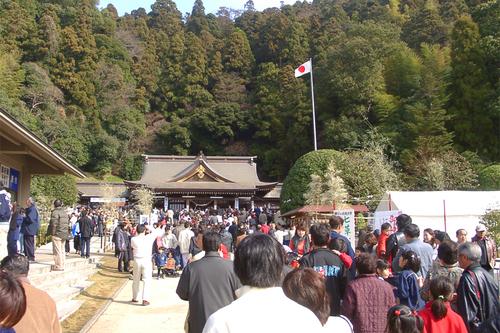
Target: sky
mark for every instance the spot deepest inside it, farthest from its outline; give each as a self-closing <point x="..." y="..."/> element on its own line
<point x="211" y="6"/>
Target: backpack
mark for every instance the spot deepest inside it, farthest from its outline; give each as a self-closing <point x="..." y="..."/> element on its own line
<point x="5" y="212"/>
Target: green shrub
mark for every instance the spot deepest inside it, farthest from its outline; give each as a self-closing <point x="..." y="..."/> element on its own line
<point x="297" y="181"/>
<point x="492" y="221"/>
<point x="367" y="175"/>
<point x="489" y="177"/>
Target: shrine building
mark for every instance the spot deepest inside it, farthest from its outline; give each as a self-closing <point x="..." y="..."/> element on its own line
<point x="200" y="182"/>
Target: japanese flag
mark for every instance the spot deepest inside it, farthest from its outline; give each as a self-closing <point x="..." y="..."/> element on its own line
<point x="303" y="69"/>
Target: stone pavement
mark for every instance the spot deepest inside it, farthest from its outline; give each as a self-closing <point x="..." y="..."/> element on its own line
<point x="166" y="313"/>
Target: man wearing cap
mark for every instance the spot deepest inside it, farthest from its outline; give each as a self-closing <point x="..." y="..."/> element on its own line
<point x="488" y="248"/>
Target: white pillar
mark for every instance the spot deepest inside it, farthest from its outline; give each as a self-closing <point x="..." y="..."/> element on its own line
<point x="236" y="203"/>
<point x="165" y="203"/>
<point x="215" y="203"/>
<point x="187" y="204"/>
<point x="252" y="204"/>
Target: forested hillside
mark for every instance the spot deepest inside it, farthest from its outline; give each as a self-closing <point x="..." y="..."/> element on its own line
<point x="420" y="78"/>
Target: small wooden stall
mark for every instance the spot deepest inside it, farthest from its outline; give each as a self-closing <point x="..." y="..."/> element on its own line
<point x="321" y="213"/>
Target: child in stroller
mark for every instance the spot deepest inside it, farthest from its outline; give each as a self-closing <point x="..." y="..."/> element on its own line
<point x="170" y="267"/>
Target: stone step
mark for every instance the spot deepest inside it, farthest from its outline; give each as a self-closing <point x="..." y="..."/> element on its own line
<point x="67" y="308"/>
<point x="67" y="279"/>
<point x="50" y="278"/>
<point x="70" y="262"/>
<point x="66" y="293"/>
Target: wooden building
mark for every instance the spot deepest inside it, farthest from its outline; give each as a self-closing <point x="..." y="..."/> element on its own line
<point x="22" y="155"/>
<point x="201" y="182"/>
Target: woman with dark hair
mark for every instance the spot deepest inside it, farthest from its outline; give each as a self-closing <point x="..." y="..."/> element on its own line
<point x="12" y="302"/>
<point x="300" y="242"/>
<point x="196" y="242"/>
<point x="440" y="236"/>
<point x="401" y="319"/>
<point x="370" y="245"/>
<point x="445" y="265"/>
<point x="437" y="314"/>
<point x="306" y="287"/>
<point x="242" y="233"/>
<point x="430" y="238"/>
<point x="408" y="286"/>
<point x="367" y="298"/>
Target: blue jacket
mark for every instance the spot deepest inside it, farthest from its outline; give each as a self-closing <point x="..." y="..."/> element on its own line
<point x="13" y="234"/>
<point x="31" y="222"/>
<point x="7" y="330"/>
<point x="160" y="259"/>
<point x="424" y="252"/>
<point x="408" y="291"/>
<point x="350" y="251"/>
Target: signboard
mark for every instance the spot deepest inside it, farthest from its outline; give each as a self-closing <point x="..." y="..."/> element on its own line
<point x="108" y="200"/>
<point x="349" y="227"/>
<point x="14" y="180"/>
<point x="165" y="204"/>
<point x="144" y="219"/>
<point x="386" y="216"/>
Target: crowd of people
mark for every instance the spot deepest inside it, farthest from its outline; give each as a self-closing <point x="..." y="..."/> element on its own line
<point x="399" y="283"/>
<point x="235" y="262"/>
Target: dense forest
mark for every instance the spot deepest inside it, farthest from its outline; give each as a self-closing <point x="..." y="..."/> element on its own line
<point x="419" y="78"/>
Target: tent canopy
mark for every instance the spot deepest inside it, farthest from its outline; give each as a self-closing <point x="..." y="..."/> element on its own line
<point x="443" y="210"/>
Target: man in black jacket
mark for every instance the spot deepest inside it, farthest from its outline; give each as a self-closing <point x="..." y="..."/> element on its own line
<point x="477" y="291"/>
<point x="86" y="232"/>
<point x="209" y="284"/>
<point x="397" y="239"/>
<point x="328" y="264"/>
<point x="29" y="228"/>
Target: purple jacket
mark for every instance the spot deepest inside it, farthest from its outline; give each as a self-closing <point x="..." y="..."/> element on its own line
<point x="366" y="302"/>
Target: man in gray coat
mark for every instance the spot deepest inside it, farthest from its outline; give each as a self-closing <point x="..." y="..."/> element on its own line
<point x="58" y="229"/>
<point x="209" y="284"/>
<point x="413" y="243"/>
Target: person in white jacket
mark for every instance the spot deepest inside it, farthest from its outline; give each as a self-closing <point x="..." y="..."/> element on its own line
<point x="184" y="239"/>
<point x="258" y="263"/>
<point x="142" y="246"/>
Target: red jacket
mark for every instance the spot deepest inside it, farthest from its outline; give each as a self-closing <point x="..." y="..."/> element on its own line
<point x="381" y="247"/>
<point x="451" y="323"/>
<point x="346" y="259"/>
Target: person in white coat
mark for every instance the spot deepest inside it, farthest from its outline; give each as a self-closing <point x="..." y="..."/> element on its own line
<point x="184" y="239"/>
<point x="142" y="247"/>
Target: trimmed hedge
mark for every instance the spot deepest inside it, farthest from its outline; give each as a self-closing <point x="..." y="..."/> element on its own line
<point x="299" y="177"/>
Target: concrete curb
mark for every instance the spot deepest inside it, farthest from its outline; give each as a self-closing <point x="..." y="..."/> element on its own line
<point x="99" y="313"/>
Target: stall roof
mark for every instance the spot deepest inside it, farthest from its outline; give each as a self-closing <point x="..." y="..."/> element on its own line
<point x="98" y="190"/>
<point x="15" y="139"/>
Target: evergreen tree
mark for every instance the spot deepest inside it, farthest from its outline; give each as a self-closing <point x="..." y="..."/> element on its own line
<point x="475" y="122"/>
<point x="197" y="21"/>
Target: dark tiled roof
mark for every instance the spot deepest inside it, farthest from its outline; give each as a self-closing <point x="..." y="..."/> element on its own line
<point x="99" y="190"/>
<point x="225" y="172"/>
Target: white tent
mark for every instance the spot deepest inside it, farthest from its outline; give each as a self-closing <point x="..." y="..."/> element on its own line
<point x="442" y="210"/>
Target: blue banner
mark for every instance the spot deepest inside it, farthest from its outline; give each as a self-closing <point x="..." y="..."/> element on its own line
<point x="14" y="179"/>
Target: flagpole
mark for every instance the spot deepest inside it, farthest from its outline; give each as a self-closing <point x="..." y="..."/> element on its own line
<point x="314" y="111"/>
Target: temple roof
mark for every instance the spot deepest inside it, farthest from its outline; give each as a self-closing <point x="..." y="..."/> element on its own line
<point x="201" y="174"/>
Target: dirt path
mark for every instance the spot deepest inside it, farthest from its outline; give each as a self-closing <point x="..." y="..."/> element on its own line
<point x="166" y="313"/>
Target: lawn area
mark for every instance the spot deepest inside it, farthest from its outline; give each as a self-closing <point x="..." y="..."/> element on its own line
<point x="107" y="281"/>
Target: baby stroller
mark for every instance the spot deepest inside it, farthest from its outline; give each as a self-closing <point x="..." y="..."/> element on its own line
<point x="170" y="267"/>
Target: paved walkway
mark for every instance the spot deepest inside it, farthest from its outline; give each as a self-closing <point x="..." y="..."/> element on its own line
<point x="166" y="313"/>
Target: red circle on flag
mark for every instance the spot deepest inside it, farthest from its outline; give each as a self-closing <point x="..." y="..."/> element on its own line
<point x="302" y="69"/>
